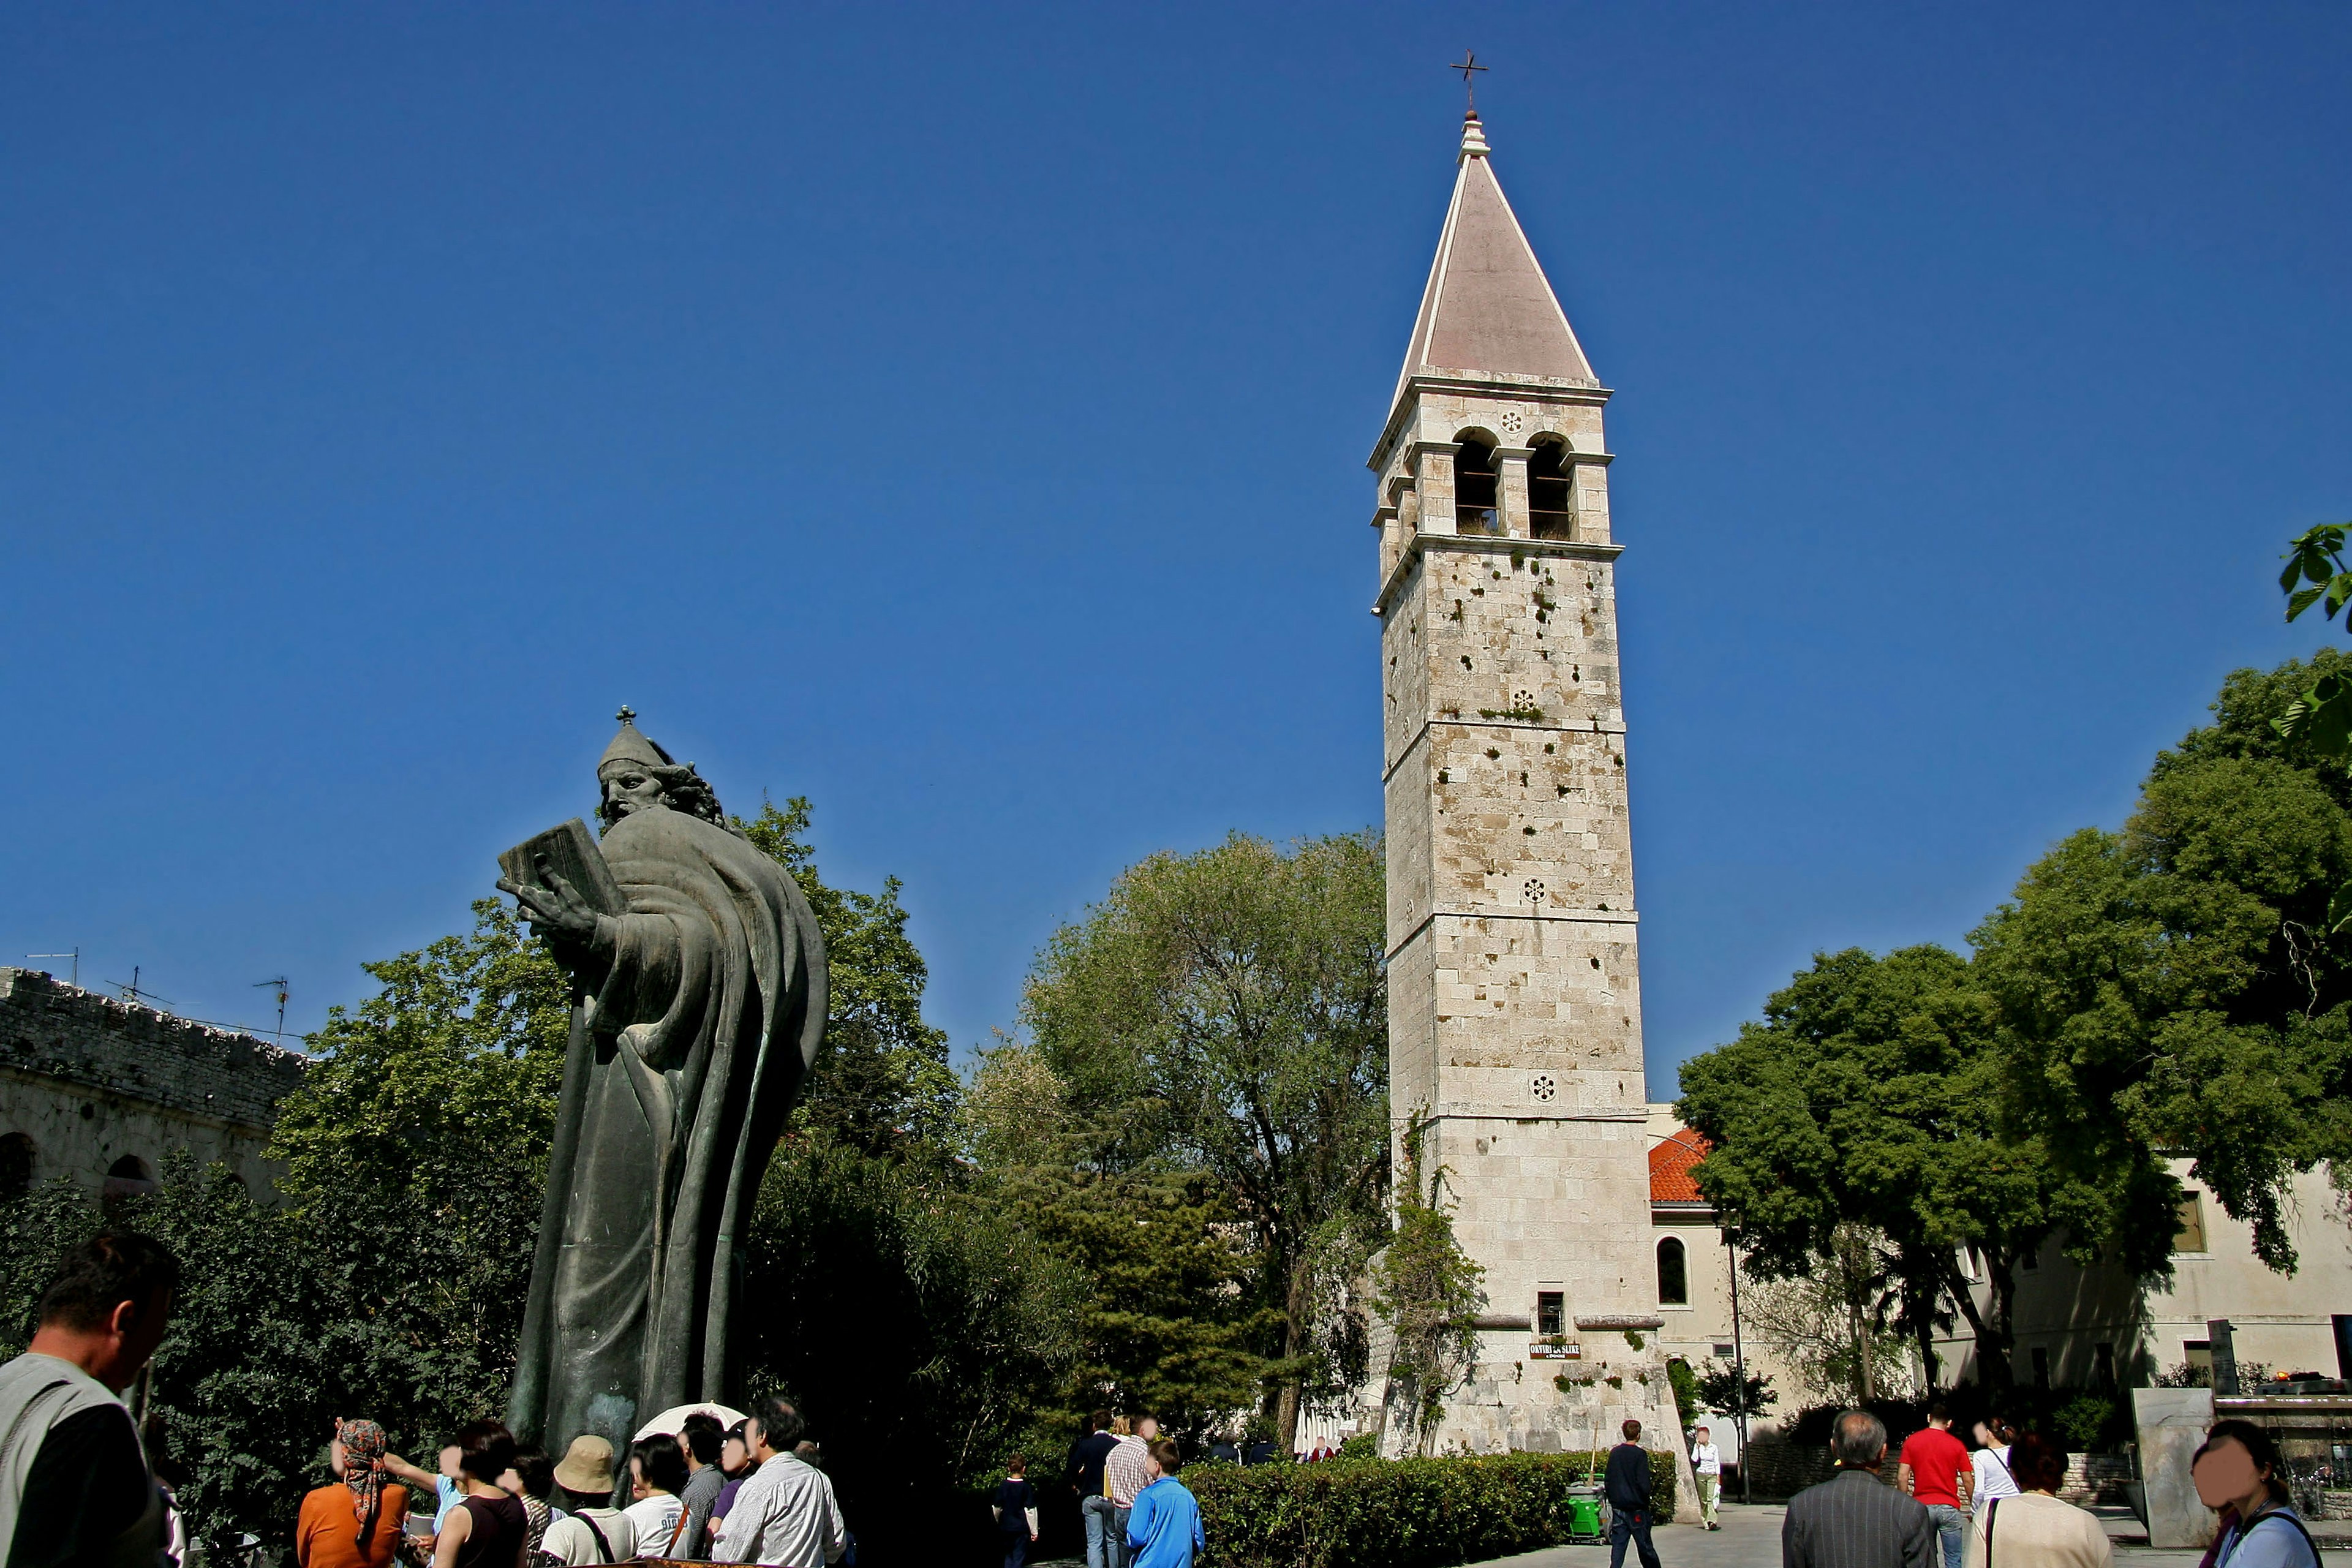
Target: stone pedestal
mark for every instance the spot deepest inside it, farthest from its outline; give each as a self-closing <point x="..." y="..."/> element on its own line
<point x="2172" y="1423"/>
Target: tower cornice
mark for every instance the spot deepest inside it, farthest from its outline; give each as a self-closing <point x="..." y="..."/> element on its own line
<point x="1485" y="544"/>
<point x="1480" y="383"/>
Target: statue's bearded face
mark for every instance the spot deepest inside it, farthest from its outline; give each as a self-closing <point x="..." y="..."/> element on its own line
<point x="631" y="789"/>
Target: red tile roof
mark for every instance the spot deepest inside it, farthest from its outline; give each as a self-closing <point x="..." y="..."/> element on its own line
<point x="1670" y="1169"/>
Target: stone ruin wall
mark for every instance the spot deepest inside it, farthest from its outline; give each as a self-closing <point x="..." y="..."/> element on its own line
<point x="91" y="1087"/>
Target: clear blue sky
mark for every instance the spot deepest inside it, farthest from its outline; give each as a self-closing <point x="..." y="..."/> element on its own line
<point x="959" y="417"/>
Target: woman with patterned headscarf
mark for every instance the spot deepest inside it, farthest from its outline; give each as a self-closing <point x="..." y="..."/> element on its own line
<point x="355" y="1521"/>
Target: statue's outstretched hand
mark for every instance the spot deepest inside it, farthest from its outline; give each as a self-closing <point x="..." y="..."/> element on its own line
<point x="551" y="906"/>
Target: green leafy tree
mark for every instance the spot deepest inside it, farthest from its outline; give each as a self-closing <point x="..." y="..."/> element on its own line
<point x="1687" y="1402"/>
<point x="390" y="1285"/>
<point x="1173" y="1312"/>
<point x="2172" y="989"/>
<point x="2320" y="716"/>
<point x="883" y="1083"/>
<point x="1868" y="1103"/>
<point x="1427" y="1293"/>
<point x="922" y="1330"/>
<point x="1733" y="1391"/>
<point x="1227" y="1011"/>
<point x="415" y="1153"/>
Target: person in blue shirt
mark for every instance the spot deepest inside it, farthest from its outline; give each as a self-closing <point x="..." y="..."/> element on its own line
<point x="2238" y="1472"/>
<point x="1164" y="1529"/>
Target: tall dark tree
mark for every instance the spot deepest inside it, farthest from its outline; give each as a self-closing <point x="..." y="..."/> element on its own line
<point x="1228" y="1010"/>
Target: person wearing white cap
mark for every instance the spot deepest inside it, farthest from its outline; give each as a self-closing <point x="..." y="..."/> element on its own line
<point x="596" y="1532"/>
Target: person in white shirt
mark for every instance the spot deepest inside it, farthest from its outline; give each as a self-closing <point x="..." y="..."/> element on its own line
<point x="657" y="1475"/>
<point x="1707" y="1466"/>
<point x="1990" y="1463"/>
<point x="593" y="1533"/>
<point x="785" y="1516"/>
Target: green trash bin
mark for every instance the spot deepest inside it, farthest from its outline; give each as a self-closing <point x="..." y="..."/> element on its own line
<point x="1584" y="1518"/>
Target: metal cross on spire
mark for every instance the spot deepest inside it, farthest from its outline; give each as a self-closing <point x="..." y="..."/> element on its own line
<point x="626" y="715"/>
<point x="1469" y="62"/>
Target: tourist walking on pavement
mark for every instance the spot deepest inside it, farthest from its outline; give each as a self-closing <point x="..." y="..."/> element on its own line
<point x="355" y="1521"/>
<point x="1854" y="1519"/>
<point x="2032" y="1528"/>
<point x="488" y="1528"/>
<point x="1934" y="1469"/>
<point x="594" y="1532"/>
<point x="1015" y="1507"/>
<point x="1164" y="1529"/>
<point x="1706" y="1465"/>
<point x="1992" y="1478"/>
<point x="1626" y="1485"/>
<point x="1126" y="1471"/>
<point x="786" y="1515"/>
<point x="2238" y="1470"/>
<point x="74" y="1482"/>
<point x="1085" y="1477"/>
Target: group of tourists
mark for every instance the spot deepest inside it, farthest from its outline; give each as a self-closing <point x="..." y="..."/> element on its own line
<point x="1954" y="1508"/>
<point x="1135" y="1512"/>
<point x="77" y="1490"/>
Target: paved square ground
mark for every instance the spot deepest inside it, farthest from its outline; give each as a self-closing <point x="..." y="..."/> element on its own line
<point x="1750" y="1538"/>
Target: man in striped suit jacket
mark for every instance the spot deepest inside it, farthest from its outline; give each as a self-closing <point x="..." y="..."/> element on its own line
<point x="1854" y="1519"/>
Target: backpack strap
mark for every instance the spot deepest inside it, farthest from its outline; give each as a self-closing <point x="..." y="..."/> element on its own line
<point x="17" y="1428"/>
<point x="2284" y="1517"/>
<point x="602" y="1545"/>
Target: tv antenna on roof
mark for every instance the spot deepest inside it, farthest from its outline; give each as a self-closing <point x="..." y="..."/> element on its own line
<point x="75" y="955"/>
<point x="280" y="984"/>
<point x="131" y="992"/>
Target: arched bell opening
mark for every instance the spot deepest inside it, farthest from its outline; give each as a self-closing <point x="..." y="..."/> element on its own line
<point x="1475" y="505"/>
<point x="1552" y="492"/>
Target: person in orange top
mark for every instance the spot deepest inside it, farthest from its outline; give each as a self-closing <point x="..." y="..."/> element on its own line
<point x="353" y="1521"/>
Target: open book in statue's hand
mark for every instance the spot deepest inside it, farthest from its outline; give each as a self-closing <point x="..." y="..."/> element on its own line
<point x="561" y="880"/>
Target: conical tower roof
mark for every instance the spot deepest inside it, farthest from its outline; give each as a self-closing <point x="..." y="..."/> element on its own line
<point x="1488" y="309"/>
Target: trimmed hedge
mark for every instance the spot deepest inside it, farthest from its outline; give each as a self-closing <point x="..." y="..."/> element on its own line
<point x="1410" y="1513"/>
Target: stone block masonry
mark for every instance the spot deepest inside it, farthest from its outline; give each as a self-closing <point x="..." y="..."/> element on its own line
<point x="100" y="1090"/>
<point x="1514" y="1009"/>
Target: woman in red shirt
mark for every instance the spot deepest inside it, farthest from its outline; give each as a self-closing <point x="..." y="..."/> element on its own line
<point x="355" y="1521"/>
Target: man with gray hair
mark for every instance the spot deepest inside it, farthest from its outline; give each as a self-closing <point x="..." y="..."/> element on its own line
<point x="1854" y="1520"/>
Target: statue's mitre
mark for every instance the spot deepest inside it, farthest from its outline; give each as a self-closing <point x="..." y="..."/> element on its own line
<point x="631" y="749"/>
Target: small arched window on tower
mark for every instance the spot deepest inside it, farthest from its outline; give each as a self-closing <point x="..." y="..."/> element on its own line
<point x="1473" y="485"/>
<point x="1551" y="496"/>
<point x="18" y="1160"/>
<point x="1674" y="1273"/>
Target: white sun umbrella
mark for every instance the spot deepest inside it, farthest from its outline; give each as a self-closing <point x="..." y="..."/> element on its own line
<point x="670" y="1422"/>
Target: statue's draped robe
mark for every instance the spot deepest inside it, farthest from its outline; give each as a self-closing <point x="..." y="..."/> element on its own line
<point x="698" y="1012"/>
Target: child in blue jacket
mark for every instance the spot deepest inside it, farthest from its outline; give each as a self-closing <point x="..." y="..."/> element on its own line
<point x="1164" y="1529"/>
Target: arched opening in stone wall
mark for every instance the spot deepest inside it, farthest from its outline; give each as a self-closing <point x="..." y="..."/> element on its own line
<point x="1473" y="485"/>
<point x="1550" y="496"/>
<point x="19" y="1160"/>
<point x="130" y="1176"/>
<point x="1674" y="1273"/>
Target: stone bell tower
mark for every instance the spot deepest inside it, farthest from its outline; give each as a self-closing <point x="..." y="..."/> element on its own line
<point x="1514" y="1002"/>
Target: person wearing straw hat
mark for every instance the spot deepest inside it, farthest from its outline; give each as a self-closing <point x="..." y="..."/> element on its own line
<point x="595" y="1531"/>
